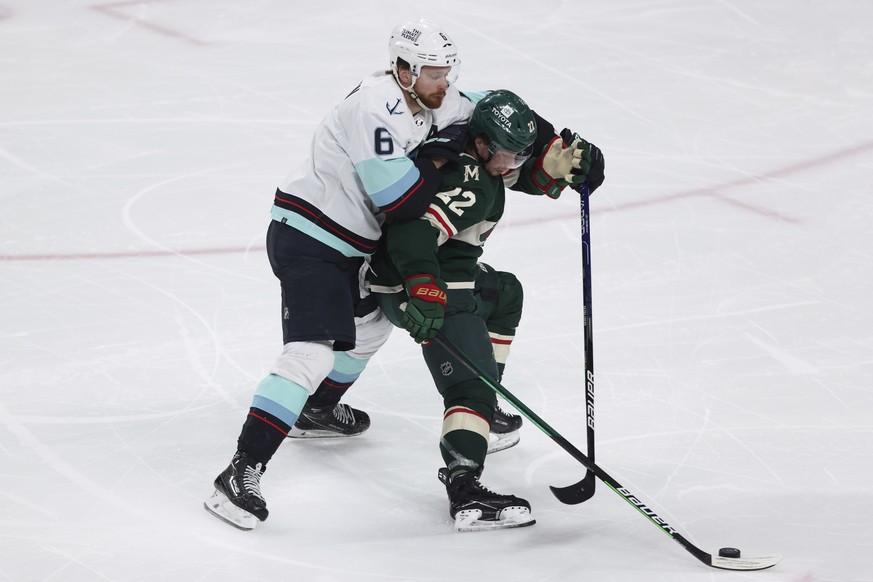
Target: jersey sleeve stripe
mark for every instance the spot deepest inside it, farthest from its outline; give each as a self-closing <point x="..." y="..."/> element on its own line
<point x="389" y="182"/>
<point x="404" y="197"/>
<point x="441" y="222"/>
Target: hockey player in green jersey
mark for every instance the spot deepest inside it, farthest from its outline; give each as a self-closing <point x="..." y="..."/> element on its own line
<point x="426" y="276"/>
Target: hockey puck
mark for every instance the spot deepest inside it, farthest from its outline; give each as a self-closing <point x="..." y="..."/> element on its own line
<point x="729" y="553"/>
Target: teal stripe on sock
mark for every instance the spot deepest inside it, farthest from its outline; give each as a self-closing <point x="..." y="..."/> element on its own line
<point x="280" y="397"/>
<point x="347" y="365"/>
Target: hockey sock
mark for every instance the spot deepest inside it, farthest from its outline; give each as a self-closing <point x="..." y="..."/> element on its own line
<point x="346" y="369"/>
<point x="464" y="440"/>
<point x="275" y="407"/>
<point x="501" y="344"/>
<point x="328" y="394"/>
<point x="261" y="435"/>
<point x="463" y="451"/>
<point x="469" y="407"/>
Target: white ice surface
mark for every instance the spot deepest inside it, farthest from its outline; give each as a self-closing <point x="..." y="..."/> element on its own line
<point x="140" y="145"/>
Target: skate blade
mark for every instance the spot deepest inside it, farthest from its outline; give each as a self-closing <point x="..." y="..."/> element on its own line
<point x="501" y="442"/>
<point x="222" y="508"/>
<point x="296" y="433"/>
<point x="468" y="520"/>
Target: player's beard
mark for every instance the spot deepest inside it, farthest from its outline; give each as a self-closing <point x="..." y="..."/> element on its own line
<point x="434" y="100"/>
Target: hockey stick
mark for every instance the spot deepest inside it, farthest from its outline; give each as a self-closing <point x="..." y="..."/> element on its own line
<point x="584" y="489"/>
<point x="723" y="563"/>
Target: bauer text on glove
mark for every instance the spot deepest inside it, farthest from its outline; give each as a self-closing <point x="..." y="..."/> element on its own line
<point x="426" y="308"/>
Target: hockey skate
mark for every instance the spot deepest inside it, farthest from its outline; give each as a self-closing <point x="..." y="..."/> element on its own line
<point x="504" y="430"/>
<point x="340" y="421"/>
<point x="475" y="508"/>
<point x="237" y="498"/>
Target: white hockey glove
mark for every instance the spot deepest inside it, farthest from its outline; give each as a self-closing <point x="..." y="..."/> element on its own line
<point x="561" y="164"/>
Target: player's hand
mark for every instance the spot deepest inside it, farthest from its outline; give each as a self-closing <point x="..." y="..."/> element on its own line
<point x="561" y="164"/>
<point x="597" y="166"/>
<point x="568" y="160"/>
<point x="426" y="309"/>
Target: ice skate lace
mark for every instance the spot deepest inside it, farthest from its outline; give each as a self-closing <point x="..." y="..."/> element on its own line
<point x="344" y="414"/>
<point x="480" y="487"/>
<point x="252" y="480"/>
<point x="503" y="413"/>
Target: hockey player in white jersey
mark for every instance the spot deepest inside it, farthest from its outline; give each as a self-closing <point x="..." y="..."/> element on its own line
<point x="358" y="170"/>
<point x="326" y="220"/>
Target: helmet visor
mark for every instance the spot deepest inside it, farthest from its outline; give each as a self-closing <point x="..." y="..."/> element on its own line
<point x="508" y="158"/>
<point x="437" y="73"/>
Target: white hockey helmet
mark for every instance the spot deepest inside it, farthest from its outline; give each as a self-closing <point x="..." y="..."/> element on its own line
<point x="423" y="44"/>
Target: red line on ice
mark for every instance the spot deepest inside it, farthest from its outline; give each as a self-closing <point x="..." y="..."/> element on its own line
<point x="109" y="9"/>
<point x="712" y="191"/>
<point x="128" y="254"/>
<point x="716" y="191"/>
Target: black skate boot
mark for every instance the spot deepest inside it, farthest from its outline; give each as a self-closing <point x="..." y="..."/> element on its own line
<point x="475" y="508"/>
<point x="504" y="430"/>
<point x="340" y="421"/>
<point x="237" y="498"/>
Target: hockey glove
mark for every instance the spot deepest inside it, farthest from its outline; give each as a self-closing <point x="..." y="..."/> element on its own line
<point x="596" y="170"/>
<point x="426" y="308"/>
<point x="447" y="144"/>
<point x="561" y="164"/>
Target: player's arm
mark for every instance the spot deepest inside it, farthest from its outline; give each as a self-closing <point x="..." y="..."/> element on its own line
<point x="394" y="183"/>
<point x="560" y="161"/>
<point x="565" y="159"/>
<point x="413" y="246"/>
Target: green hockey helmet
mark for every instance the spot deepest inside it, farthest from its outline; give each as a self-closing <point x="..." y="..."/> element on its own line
<point x="508" y="123"/>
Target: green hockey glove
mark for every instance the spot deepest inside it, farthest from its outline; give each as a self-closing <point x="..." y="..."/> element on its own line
<point x="596" y="170"/>
<point x="560" y="164"/>
<point x="426" y="308"/>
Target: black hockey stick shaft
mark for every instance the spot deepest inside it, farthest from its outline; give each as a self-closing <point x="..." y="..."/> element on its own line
<point x="607" y="479"/>
<point x="584" y="489"/>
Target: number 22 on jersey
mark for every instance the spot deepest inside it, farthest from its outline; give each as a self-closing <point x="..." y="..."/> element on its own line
<point x="457" y="199"/>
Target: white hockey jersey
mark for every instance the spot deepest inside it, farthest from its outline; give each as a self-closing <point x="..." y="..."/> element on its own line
<point x="358" y="165"/>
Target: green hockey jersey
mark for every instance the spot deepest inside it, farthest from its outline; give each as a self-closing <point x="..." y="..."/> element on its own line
<point x="447" y="241"/>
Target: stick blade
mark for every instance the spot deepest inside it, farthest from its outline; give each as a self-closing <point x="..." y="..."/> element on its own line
<point x="576" y="493"/>
<point x="746" y="563"/>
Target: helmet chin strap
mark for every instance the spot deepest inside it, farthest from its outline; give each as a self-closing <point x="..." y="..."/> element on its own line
<point x="409" y="89"/>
